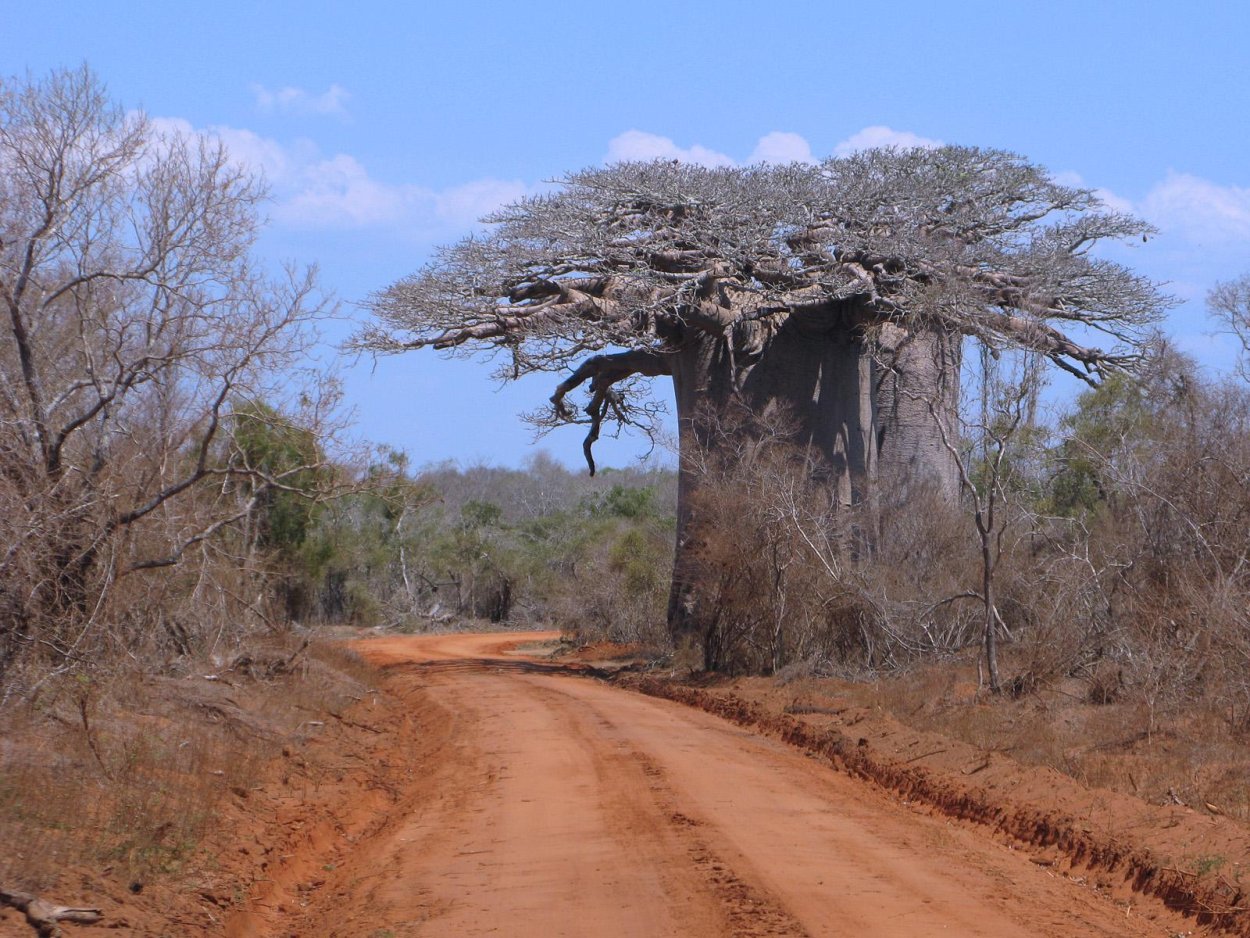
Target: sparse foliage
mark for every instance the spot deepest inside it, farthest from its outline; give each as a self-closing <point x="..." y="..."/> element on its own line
<point x="1230" y="302"/>
<point x="136" y="318"/>
<point x="639" y="254"/>
<point x="1171" y="524"/>
<point x="983" y="451"/>
<point x="793" y="578"/>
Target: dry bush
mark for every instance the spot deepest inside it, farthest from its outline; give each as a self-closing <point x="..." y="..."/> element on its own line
<point x="138" y="330"/>
<point x="1193" y="758"/>
<point x="1054" y="595"/>
<point x="1124" y="585"/>
<point x="1174" y="526"/>
<point x="121" y="771"/>
<point x="1144" y="597"/>
<point x="615" y="586"/>
<point x="216" y="601"/>
<point x="788" y="574"/>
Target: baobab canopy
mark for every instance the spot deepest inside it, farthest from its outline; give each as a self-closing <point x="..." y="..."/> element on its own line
<point x="661" y="268"/>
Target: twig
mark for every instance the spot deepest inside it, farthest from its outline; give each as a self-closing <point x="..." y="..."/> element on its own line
<point x="86" y="726"/>
<point x="925" y="755"/>
<point x="984" y="765"/>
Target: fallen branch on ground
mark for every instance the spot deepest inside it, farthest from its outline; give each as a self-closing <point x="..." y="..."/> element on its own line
<point x="43" y="916"/>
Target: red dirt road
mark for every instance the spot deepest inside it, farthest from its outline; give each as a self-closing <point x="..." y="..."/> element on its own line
<point x="544" y="804"/>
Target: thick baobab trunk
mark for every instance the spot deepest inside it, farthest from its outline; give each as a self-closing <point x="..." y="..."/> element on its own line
<point x="917" y="385"/>
<point x="859" y="416"/>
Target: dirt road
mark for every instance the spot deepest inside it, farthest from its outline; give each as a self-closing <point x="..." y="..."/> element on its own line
<point x="547" y="805"/>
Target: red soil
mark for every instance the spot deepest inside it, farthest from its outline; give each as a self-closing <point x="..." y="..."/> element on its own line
<point x="486" y="792"/>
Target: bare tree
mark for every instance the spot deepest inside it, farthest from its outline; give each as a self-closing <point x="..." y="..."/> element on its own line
<point x="137" y="319"/>
<point x="1230" y="302"/>
<point x="983" y="450"/>
<point x="783" y="285"/>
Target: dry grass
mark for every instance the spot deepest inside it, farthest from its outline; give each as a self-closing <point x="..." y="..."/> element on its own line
<point x="1190" y="755"/>
<point x="122" y="775"/>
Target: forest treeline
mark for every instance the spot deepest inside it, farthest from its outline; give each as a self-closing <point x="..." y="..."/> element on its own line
<point x="537" y="545"/>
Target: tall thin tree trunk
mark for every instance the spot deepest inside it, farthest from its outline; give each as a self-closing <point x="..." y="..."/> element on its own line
<point x="990" y="635"/>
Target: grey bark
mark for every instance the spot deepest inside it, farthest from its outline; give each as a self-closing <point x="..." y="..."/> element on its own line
<point x="859" y="400"/>
<point x="917" y="367"/>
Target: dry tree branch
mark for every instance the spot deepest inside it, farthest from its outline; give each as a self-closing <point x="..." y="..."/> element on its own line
<point x="44" y="916"/>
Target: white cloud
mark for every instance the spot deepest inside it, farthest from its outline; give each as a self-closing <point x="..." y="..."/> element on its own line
<point x="781" y="147"/>
<point x="1184" y="206"/>
<point x="1197" y="209"/>
<point x="1115" y="203"/>
<point x="338" y="192"/>
<point x="1109" y="199"/>
<point x="312" y="190"/>
<point x="244" y="148"/>
<point x="293" y="100"/>
<point x="170" y="127"/>
<point x="776" y="147"/>
<point x="640" y="145"/>
<point x="871" y="138"/>
<point x="465" y="205"/>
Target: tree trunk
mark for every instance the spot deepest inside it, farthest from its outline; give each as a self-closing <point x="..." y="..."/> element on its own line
<point x="918" y="381"/>
<point x="859" y="414"/>
<point x="990" y="636"/>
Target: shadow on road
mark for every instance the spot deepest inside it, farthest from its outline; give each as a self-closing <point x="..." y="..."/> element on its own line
<point x="507" y="666"/>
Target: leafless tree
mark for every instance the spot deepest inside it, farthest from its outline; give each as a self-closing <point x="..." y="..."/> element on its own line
<point x="1230" y="302"/>
<point x="137" y="319"/>
<point x="783" y="284"/>
<point x="983" y="450"/>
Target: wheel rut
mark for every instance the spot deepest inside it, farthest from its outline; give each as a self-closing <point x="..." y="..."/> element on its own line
<point x="545" y="805"/>
<point x="749" y="909"/>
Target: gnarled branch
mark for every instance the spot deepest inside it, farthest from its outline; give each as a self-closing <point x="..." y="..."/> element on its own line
<point x="604" y="371"/>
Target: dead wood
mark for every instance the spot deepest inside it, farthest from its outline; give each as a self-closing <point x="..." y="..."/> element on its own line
<point x="44" y="916"/>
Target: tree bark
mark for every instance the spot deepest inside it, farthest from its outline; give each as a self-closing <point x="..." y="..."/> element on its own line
<point x="917" y="367"/>
<point x="858" y="411"/>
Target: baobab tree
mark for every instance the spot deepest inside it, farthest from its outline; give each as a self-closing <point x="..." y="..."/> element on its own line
<point x="841" y="292"/>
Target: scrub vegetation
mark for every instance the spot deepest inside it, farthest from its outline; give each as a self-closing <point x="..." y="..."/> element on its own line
<point x="870" y="490"/>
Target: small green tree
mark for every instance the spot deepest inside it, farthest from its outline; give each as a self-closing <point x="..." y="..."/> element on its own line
<point x="287" y="478"/>
<point x="1107" y="424"/>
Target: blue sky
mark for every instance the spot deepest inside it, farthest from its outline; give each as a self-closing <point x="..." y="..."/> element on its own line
<point x="387" y="128"/>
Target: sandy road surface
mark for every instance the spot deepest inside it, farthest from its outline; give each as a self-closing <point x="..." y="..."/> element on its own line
<point x="552" y="805"/>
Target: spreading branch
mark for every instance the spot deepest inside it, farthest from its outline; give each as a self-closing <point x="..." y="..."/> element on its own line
<point x="646" y="255"/>
<point x="604" y="372"/>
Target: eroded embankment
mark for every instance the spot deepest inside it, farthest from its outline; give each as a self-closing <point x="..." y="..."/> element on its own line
<point x="1059" y="839"/>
